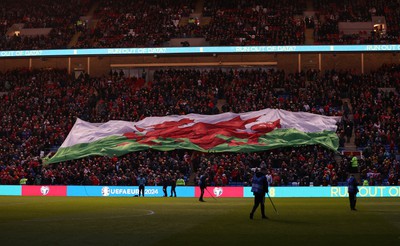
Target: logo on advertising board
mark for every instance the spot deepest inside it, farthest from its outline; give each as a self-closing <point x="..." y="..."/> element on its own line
<point x="221" y="191"/>
<point x="124" y="191"/>
<point x="218" y="191"/>
<point x="105" y="191"/>
<point x="44" y="190"/>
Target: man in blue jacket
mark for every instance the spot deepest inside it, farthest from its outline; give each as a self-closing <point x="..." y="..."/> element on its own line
<point x="352" y="186"/>
<point x="259" y="187"/>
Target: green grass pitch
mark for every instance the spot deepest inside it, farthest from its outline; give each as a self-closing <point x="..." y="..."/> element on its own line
<point x="185" y="221"/>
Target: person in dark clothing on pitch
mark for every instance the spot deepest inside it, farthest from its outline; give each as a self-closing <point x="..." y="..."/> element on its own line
<point x="165" y="182"/>
<point x="352" y="187"/>
<point x="259" y="188"/>
<point x="173" y="186"/>
<point x="141" y="181"/>
<point x="203" y="185"/>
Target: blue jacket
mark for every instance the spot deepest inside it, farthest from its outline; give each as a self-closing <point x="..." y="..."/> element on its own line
<point x="141" y="181"/>
<point x="352" y="185"/>
<point x="259" y="183"/>
<point x="203" y="181"/>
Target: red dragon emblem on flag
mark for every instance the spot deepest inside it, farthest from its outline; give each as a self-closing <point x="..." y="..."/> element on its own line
<point x="206" y="135"/>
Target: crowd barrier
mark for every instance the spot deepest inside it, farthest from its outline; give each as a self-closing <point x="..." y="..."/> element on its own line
<point x="192" y="191"/>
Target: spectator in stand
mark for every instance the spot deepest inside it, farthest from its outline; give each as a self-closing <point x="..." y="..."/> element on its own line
<point x="180" y="181"/>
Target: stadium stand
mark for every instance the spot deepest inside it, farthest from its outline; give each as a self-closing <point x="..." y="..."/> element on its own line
<point x="40" y="24"/>
<point x="39" y="107"/>
<point x="330" y="15"/>
<point x="45" y="104"/>
<point x="90" y="24"/>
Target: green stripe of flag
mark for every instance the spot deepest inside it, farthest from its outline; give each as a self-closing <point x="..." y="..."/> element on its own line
<point x="120" y="145"/>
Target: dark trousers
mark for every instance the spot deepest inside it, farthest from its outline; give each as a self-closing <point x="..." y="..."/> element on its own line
<point x="173" y="192"/>
<point x="259" y="199"/>
<point x="141" y="190"/>
<point x="201" y="193"/>
<point x="353" y="200"/>
<point x="165" y="190"/>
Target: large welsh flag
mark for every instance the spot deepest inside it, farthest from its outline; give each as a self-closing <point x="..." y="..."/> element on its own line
<point x="227" y="132"/>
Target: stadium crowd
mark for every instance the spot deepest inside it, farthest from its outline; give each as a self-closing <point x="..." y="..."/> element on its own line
<point x="61" y="17"/>
<point x="45" y="104"/>
<point x="138" y="23"/>
<point x="106" y="23"/>
<point x="330" y="13"/>
<point x="254" y="22"/>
